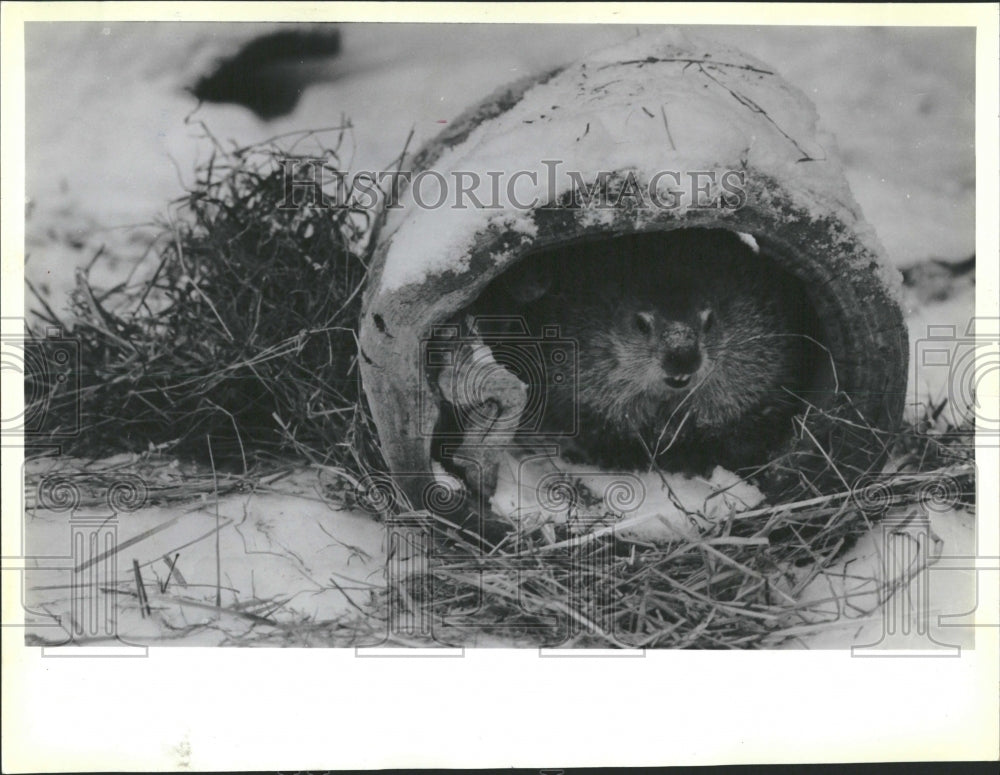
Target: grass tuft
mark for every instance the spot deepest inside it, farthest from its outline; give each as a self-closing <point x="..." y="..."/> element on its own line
<point x="738" y="584"/>
<point x="244" y="330"/>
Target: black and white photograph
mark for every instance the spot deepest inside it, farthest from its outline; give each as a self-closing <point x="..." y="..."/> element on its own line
<point x="370" y="335"/>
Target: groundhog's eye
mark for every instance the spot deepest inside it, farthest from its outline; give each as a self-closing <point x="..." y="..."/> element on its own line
<point x="644" y="323"/>
<point x="707" y="320"/>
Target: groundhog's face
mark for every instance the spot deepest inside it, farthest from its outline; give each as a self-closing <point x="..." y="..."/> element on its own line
<point x="658" y="348"/>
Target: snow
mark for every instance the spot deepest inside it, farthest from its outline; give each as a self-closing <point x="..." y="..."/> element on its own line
<point x="648" y="507"/>
<point x="748" y="239"/>
<point x="943" y="327"/>
<point x="900" y="102"/>
<point x="640" y="107"/>
<point x="441" y="244"/>
<point x="106" y="152"/>
<point x="924" y="564"/>
<point x="286" y="555"/>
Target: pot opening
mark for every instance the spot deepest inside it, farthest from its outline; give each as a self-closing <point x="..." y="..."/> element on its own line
<point x="682" y="350"/>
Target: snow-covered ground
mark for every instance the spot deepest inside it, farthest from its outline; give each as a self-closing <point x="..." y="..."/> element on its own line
<point x="290" y="568"/>
<point x="282" y="556"/>
<point x="113" y="136"/>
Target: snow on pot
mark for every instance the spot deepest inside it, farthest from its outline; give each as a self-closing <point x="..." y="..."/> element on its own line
<point x="636" y="155"/>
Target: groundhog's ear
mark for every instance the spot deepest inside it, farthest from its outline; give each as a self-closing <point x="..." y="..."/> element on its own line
<point x="528" y="281"/>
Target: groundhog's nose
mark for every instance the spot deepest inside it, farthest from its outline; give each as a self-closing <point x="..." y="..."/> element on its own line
<point x="681" y="365"/>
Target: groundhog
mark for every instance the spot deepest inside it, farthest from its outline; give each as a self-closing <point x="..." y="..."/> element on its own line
<point x="690" y="348"/>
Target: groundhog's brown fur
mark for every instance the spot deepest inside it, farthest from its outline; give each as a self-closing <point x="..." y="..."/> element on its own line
<point x="686" y="350"/>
